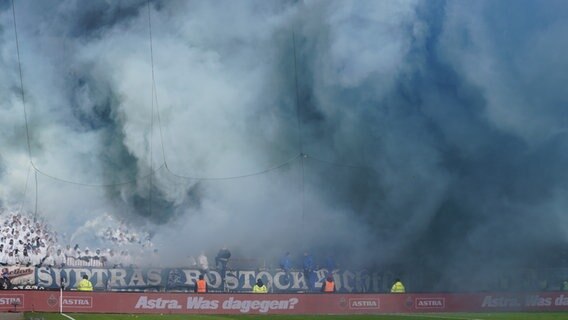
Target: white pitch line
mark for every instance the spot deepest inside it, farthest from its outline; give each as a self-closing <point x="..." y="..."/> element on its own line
<point x="69" y="317"/>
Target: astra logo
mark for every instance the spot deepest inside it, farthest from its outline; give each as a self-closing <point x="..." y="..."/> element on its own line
<point x="145" y="303"/>
<point x="11" y="300"/>
<point x="430" y="303"/>
<point x="82" y="302"/>
<point x="364" y="304"/>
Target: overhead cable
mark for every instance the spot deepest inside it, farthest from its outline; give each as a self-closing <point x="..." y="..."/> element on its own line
<point x="151" y="140"/>
<point x="264" y="171"/>
<point x="133" y="181"/>
<point x="24" y="101"/>
<point x="300" y="140"/>
<point x="154" y="88"/>
<point x="21" y="82"/>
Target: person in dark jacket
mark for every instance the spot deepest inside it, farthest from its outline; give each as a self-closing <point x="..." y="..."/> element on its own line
<point x="222" y="259"/>
<point x="308" y="267"/>
<point x="5" y="282"/>
<point x="286" y="266"/>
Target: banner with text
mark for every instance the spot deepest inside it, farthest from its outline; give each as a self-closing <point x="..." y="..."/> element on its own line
<point x="180" y="303"/>
<point x="178" y="279"/>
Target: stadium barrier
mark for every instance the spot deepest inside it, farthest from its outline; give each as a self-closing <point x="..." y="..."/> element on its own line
<point x="183" y="279"/>
<point x="278" y="281"/>
<point x="179" y="303"/>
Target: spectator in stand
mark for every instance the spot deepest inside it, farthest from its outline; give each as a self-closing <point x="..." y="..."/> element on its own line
<point x="97" y="256"/>
<point x="59" y="259"/>
<point x="104" y="256"/>
<point x="93" y="259"/>
<point x="86" y="256"/>
<point x="259" y="287"/>
<point x="329" y="263"/>
<point x="48" y="261"/>
<point x="25" y="260"/>
<point x="17" y="255"/>
<point x="222" y="259"/>
<point x="3" y="257"/>
<point x="201" y="285"/>
<point x="203" y="264"/>
<point x="11" y="260"/>
<point x="308" y="267"/>
<point x="42" y="248"/>
<point x="5" y="282"/>
<point x="286" y="265"/>
<point x="112" y="260"/>
<point x="76" y="251"/>
<point x="36" y="257"/>
<point x="69" y="252"/>
<point x="36" y="242"/>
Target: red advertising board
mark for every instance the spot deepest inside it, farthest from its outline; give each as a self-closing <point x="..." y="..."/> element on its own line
<point x="115" y="302"/>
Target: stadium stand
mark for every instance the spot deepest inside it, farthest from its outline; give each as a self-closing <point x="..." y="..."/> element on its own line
<point x="26" y="240"/>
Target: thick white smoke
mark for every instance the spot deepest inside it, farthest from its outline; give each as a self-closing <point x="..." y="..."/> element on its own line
<point x="426" y="126"/>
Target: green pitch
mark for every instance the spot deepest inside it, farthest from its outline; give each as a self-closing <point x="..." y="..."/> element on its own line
<point x="445" y="316"/>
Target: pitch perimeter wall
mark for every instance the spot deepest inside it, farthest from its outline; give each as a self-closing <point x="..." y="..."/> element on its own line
<point x="180" y="303"/>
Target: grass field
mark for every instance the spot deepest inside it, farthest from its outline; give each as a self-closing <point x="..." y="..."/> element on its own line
<point x="430" y="316"/>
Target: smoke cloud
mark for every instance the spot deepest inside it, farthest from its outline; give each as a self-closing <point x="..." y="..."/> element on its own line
<point x="430" y="135"/>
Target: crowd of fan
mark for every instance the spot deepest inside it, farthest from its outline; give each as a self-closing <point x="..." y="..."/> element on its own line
<point x="25" y="241"/>
<point x="28" y="241"/>
<point x="123" y="235"/>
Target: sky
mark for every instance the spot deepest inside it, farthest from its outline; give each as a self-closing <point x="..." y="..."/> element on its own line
<point x="408" y="133"/>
